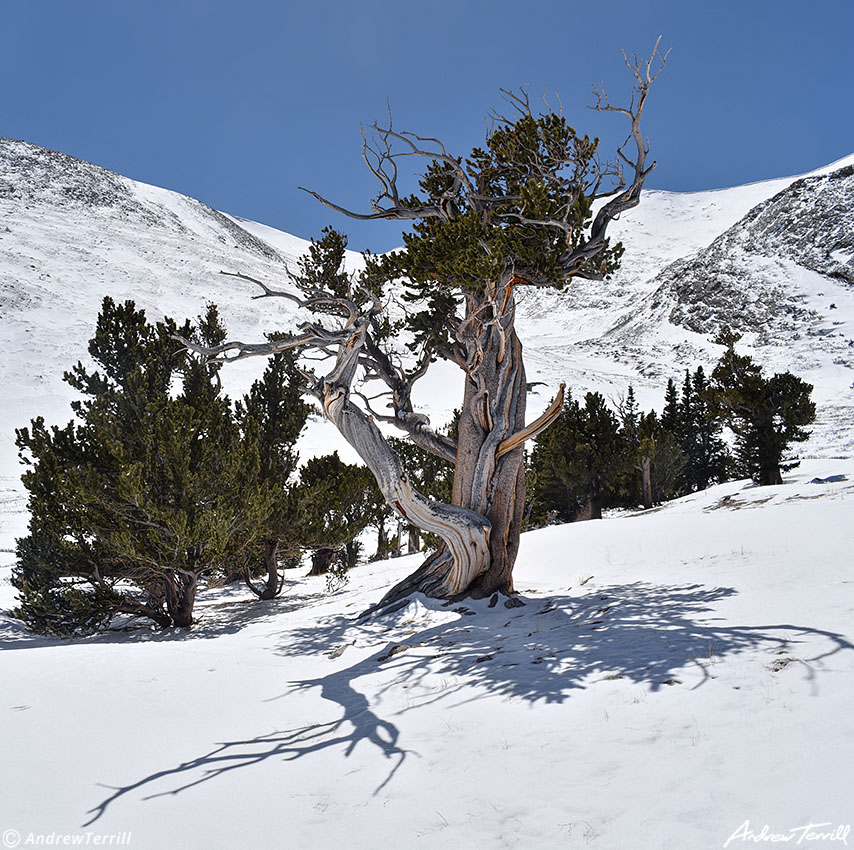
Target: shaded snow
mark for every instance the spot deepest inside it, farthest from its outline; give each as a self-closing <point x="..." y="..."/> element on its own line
<point x="671" y="675"/>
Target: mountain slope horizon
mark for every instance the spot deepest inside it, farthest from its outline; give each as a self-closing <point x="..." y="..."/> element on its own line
<point x="72" y="232"/>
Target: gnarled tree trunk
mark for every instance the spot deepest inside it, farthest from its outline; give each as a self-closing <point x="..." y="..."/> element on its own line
<point x="180" y="596"/>
<point x="489" y="477"/>
<point x="272" y="585"/>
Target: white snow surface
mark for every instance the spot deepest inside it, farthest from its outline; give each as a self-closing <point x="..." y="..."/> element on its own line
<point x="674" y="676"/>
<point x="671" y="676"/>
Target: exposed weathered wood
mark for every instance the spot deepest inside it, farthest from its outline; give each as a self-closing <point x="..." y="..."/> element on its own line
<point x="480" y="528"/>
<point x="464" y="532"/>
<point x="536" y="427"/>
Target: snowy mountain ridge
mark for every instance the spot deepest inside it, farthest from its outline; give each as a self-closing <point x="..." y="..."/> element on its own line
<point x="782" y="274"/>
<point x="704" y="646"/>
<point x="71" y="232"/>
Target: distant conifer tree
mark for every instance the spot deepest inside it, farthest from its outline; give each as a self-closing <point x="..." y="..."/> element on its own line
<point x="670" y="415"/>
<point x="765" y="414"/>
<point x="335" y="502"/>
<point x="275" y="409"/>
<point x="579" y="464"/>
<point x="662" y="459"/>
<point x="708" y="459"/>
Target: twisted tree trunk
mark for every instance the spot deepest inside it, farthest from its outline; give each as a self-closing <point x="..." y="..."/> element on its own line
<point x="181" y="587"/>
<point x="547" y="237"/>
<point x="482" y="526"/>
<point x="489" y="478"/>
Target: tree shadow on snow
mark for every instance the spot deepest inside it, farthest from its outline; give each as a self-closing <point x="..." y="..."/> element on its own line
<point x="559" y="644"/>
<point x="548" y="650"/>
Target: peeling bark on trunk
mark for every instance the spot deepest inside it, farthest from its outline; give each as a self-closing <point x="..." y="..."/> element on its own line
<point x="492" y="485"/>
<point x="481" y="528"/>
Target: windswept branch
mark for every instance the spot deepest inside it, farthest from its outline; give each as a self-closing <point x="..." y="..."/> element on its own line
<point x="625" y="196"/>
<point x="314" y="336"/>
<point x="402" y="213"/>
<point x="381" y="159"/>
<point x="345" y="307"/>
<point x="536" y="427"/>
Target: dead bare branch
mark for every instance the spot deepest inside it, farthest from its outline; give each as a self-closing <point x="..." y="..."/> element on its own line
<point x="574" y="262"/>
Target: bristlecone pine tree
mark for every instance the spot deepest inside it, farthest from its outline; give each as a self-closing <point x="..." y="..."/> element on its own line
<point x="765" y="414"/>
<point x="146" y="492"/>
<point x="514" y="214"/>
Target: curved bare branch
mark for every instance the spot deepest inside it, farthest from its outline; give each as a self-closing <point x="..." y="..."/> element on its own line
<point x="536" y="427"/>
<point x="626" y="197"/>
<point x="342" y="306"/>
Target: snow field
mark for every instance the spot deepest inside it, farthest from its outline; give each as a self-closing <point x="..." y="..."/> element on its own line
<point x="671" y="675"/>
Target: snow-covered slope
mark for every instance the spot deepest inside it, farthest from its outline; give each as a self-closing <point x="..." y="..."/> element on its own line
<point x="784" y="276"/>
<point x="71" y="232"/>
<point x="671" y="676"/>
<point x="773" y="260"/>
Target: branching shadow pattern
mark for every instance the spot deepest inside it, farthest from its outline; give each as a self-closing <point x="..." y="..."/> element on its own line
<point x="545" y="651"/>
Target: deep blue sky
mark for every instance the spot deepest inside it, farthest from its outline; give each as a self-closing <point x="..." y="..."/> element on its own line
<point x="239" y="103"/>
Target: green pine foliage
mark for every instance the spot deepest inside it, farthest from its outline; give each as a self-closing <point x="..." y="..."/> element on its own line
<point x="274" y="410"/>
<point x="152" y="488"/>
<point x="578" y="465"/>
<point x="654" y="459"/>
<point x="765" y="414"/>
<point x="589" y="459"/>
<point x="533" y="168"/>
<point x="670" y="415"/>
<point x="660" y="449"/>
<point x="708" y="459"/>
<point x="336" y="503"/>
